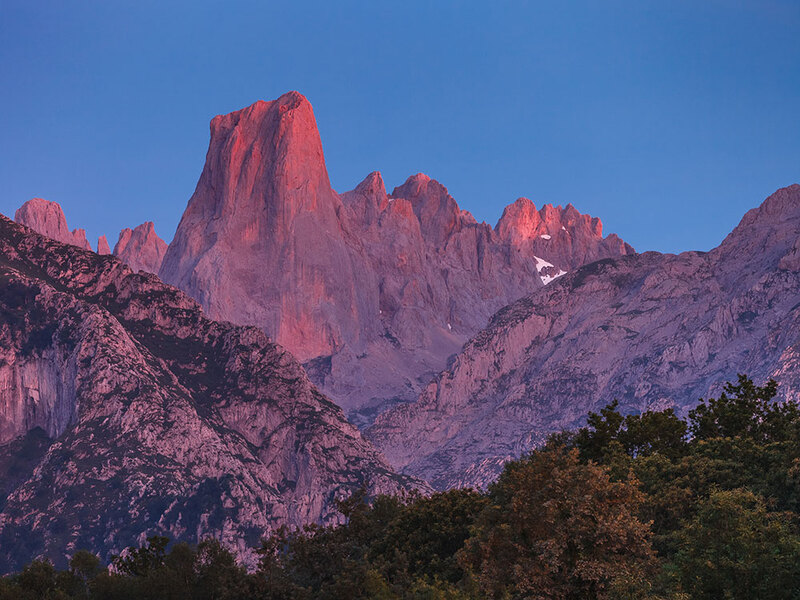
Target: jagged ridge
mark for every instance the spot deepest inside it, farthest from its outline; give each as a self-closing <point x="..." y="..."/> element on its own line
<point x="649" y="330"/>
<point x="126" y="412"/>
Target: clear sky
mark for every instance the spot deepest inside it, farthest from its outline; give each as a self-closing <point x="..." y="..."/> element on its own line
<point x="667" y="119"/>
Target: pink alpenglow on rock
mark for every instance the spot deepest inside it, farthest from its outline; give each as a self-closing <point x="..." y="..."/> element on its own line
<point x="563" y="235"/>
<point x="103" y="248"/>
<point x="48" y="219"/>
<point x="372" y="291"/>
<point x="141" y="248"/>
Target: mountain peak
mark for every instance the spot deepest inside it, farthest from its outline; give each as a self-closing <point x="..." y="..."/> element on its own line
<point x="372" y="185"/>
<point x="47" y="218"/>
<point x="416" y="186"/>
<point x="783" y="203"/>
<point x="102" y="246"/>
<point x="521" y="221"/>
<point x="264" y="184"/>
<point x="141" y="248"/>
<point x="264" y="166"/>
<point x="374" y="292"/>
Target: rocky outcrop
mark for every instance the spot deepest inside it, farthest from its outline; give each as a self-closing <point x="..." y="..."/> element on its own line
<point x="372" y="291"/>
<point x="47" y="218"/>
<point x="141" y="248"/>
<point x="563" y="236"/>
<point x="649" y="330"/>
<point x="103" y="248"/>
<point x="126" y="412"/>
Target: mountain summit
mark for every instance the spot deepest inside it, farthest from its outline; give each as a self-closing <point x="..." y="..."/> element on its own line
<point x="373" y="291"/>
<point x="47" y="218"/>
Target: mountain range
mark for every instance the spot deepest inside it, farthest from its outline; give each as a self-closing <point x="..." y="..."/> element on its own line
<point x="125" y="411"/>
<point x="221" y="405"/>
<point x="652" y="331"/>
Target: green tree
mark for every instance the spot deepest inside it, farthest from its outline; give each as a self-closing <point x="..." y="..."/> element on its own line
<point x="218" y="576"/>
<point x="558" y="528"/>
<point x="652" y="432"/>
<point x="422" y="539"/>
<point x="140" y="562"/>
<point x="745" y="410"/>
<point x="734" y="548"/>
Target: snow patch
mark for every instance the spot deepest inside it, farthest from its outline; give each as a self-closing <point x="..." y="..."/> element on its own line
<point x="542" y="264"/>
<point x="548" y="278"/>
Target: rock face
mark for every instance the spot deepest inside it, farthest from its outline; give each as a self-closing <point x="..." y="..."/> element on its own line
<point x="650" y="330"/>
<point x="103" y="248"/>
<point x="126" y="412"/>
<point x="47" y="218"/>
<point x="141" y="248"/>
<point x="372" y="291"/>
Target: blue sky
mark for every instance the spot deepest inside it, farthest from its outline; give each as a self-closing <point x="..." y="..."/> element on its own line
<point x="668" y="120"/>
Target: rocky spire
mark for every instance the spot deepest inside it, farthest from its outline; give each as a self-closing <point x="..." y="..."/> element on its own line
<point x="141" y="248"/>
<point x="48" y="219"/>
<point x="102" y="246"/>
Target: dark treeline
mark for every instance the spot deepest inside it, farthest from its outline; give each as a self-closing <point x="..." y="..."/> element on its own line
<point x="629" y="507"/>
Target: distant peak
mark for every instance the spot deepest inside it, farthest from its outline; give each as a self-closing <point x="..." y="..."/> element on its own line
<point x="372" y="184"/>
<point x="784" y="202"/>
<point x="141" y="248"/>
<point x="102" y="246"/>
<point x="148" y="228"/>
<point x="47" y="218"/>
<point x="419" y="185"/>
<point x="265" y="159"/>
<point x="293" y="99"/>
<point x="522" y="203"/>
<point x="522" y="221"/>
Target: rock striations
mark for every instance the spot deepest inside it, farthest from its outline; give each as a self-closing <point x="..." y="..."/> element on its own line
<point x="125" y="412"/>
<point x="650" y="330"/>
<point x="373" y="291"/>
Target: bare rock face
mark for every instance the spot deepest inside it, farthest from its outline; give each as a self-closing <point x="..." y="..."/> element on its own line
<point x="103" y="248"/>
<point x="141" y="248"/>
<point x="372" y="291"/>
<point x="563" y="235"/>
<point x="47" y="218"/>
<point x="650" y="330"/>
<point x="126" y="412"/>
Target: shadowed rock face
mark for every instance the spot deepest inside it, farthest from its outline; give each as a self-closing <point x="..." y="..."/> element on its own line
<point x="141" y="248"/>
<point x="372" y="291"/>
<point x="125" y="412"/>
<point x="47" y="218"/>
<point x="650" y="330"/>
